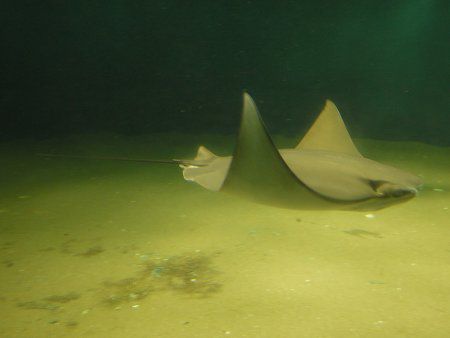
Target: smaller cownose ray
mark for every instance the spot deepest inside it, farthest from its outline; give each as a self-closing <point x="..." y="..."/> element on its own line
<point x="324" y="171"/>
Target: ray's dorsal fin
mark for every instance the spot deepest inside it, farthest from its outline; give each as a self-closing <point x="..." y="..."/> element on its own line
<point x="329" y="133"/>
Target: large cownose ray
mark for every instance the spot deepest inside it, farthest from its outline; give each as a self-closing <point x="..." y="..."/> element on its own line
<point x="324" y="171"/>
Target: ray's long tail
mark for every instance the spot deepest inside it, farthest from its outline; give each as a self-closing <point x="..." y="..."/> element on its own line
<point x="124" y="159"/>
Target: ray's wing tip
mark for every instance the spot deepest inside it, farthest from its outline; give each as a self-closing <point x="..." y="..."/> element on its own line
<point x="246" y="96"/>
<point x="247" y="103"/>
<point x="329" y="103"/>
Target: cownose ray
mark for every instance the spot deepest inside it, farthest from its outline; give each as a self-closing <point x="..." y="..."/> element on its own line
<point x="324" y="171"/>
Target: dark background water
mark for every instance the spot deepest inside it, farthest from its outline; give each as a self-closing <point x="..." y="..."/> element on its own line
<point x="134" y="66"/>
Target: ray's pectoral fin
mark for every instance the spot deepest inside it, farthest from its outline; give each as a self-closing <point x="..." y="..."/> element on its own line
<point x="204" y="154"/>
<point x="329" y="133"/>
<point x="207" y="169"/>
<point x="257" y="170"/>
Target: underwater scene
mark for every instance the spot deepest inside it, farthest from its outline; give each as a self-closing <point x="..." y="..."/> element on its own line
<point x="225" y="169"/>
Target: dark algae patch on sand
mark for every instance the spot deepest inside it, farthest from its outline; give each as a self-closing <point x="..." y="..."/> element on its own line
<point x="63" y="298"/>
<point x="189" y="274"/>
<point x="50" y="303"/>
<point x="92" y="251"/>
<point x="362" y="233"/>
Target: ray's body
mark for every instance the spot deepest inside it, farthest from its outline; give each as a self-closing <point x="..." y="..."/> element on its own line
<point x="324" y="171"/>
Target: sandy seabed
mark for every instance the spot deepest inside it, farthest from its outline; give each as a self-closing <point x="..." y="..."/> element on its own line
<point x="107" y="249"/>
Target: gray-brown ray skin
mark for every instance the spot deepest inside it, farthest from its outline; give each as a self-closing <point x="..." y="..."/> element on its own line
<point x="342" y="180"/>
<point x="303" y="177"/>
